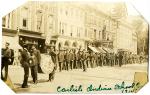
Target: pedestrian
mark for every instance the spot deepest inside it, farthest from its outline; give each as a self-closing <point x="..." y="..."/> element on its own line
<point x="6" y="60"/>
<point x="53" y="56"/>
<point x="24" y="60"/>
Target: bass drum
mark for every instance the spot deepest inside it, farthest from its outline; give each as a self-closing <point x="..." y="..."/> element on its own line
<point x="47" y="64"/>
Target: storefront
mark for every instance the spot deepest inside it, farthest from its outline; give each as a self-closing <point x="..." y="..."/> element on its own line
<point x="32" y="38"/>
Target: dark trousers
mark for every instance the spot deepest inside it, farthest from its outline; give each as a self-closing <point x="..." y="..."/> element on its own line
<point x="4" y="77"/>
<point x="100" y="62"/>
<point x="80" y="64"/>
<point x="75" y="64"/>
<point x="91" y="63"/>
<point x="60" y="66"/>
<point x="88" y="63"/>
<point x="120" y="62"/>
<point x="34" y="71"/>
<point x="84" y="65"/>
<point x="26" y="75"/>
<point x="71" y="64"/>
<point x="51" y="75"/>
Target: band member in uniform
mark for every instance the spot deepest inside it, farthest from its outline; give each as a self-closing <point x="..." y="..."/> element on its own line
<point x="24" y="63"/>
<point x="70" y="59"/>
<point x="120" y="59"/>
<point x="100" y="59"/>
<point x="67" y="60"/>
<point x="96" y="59"/>
<point x="60" y="59"/>
<point x="88" y="59"/>
<point x="117" y="59"/>
<point x="112" y="57"/>
<point x="37" y="58"/>
<point x="74" y="59"/>
<point x="78" y="59"/>
<point x="6" y="59"/>
<point x="84" y="60"/>
<point x="91" y="59"/>
<point x="53" y="56"/>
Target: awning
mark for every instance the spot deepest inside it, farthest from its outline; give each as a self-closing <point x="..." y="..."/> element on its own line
<point x="93" y="49"/>
<point x="108" y="50"/>
<point x="101" y="50"/>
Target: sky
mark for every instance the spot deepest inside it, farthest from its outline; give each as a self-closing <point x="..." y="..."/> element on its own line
<point x="131" y="9"/>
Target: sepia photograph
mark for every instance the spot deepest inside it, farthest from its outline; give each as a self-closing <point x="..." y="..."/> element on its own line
<point x="75" y="47"/>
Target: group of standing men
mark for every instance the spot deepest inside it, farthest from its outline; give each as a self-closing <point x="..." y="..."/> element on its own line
<point x="65" y="59"/>
<point x="82" y="59"/>
<point x="31" y="59"/>
<point x="72" y="59"/>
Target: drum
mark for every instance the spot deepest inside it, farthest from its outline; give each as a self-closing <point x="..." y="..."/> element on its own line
<point x="47" y="64"/>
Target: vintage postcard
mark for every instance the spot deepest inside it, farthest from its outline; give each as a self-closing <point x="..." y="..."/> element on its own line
<point x="74" y="47"/>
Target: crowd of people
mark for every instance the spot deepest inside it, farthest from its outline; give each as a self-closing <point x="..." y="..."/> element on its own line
<point x="83" y="59"/>
<point x="66" y="59"/>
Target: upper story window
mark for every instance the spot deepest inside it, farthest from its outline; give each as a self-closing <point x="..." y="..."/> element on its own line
<point x="86" y="33"/>
<point x="99" y="34"/>
<point x="24" y="22"/>
<point x="4" y="22"/>
<point x="78" y="32"/>
<point x="95" y="33"/>
<point x="39" y="20"/>
<point x="71" y="34"/>
<point x="66" y="12"/>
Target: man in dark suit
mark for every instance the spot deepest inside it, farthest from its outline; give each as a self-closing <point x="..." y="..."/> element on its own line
<point x="84" y="60"/>
<point x="60" y="59"/>
<point x="74" y="59"/>
<point x="120" y="59"/>
<point x="6" y="59"/>
<point x="37" y="60"/>
<point x="67" y="60"/>
<point x="53" y="56"/>
<point x="24" y="62"/>
<point x="71" y="58"/>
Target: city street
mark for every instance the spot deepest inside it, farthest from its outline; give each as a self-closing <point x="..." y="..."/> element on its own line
<point x="106" y="76"/>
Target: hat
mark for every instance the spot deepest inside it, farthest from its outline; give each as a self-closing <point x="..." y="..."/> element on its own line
<point x="7" y="43"/>
<point x="25" y="45"/>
